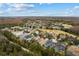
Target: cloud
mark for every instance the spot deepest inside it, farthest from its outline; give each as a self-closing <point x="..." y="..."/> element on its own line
<point x="73" y="11"/>
<point x="31" y="9"/>
<point x="76" y="7"/>
<point x="15" y="8"/>
<point x="19" y="6"/>
<point x="1" y="12"/>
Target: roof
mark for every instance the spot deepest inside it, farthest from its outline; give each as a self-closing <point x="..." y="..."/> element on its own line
<point x="73" y="50"/>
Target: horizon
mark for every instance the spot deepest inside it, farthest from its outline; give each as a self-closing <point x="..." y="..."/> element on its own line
<point x="39" y="16"/>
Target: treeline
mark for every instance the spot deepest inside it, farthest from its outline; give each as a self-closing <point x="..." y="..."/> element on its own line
<point x="8" y="49"/>
<point x="10" y="25"/>
<point x="71" y="31"/>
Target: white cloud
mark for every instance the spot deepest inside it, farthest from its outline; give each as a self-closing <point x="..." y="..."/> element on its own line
<point x="23" y="9"/>
<point x="73" y="11"/>
<point x="76" y="7"/>
<point x="1" y="12"/>
<point x="18" y="6"/>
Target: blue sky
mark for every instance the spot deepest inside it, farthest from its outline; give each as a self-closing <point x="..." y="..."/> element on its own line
<point x="39" y="9"/>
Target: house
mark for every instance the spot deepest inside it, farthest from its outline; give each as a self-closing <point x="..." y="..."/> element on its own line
<point x="59" y="47"/>
<point x="16" y="27"/>
<point x="54" y="40"/>
<point x="41" y="41"/>
<point x="17" y="33"/>
<point x="49" y="43"/>
<point x="5" y="29"/>
<point x="25" y="36"/>
<point x="72" y="51"/>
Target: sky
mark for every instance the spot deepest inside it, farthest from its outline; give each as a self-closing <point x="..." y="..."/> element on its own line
<point x="39" y="9"/>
